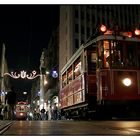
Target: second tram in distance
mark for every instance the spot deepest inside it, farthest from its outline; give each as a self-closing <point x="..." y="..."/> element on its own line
<point x="21" y="110"/>
<point x="102" y="79"/>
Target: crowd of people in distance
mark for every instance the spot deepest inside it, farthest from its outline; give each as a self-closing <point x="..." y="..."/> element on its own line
<point x="51" y="114"/>
<point x="7" y="111"/>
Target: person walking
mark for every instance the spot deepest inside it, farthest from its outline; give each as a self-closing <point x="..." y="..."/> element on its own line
<point x="50" y="113"/>
<point x="1" y="112"/>
<point x="10" y="100"/>
<point x="46" y="115"/>
<point x="43" y="116"/>
<point x="5" y="112"/>
<point x="55" y="109"/>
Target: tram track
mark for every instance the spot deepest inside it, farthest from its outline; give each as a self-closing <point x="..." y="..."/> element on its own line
<point x="4" y="126"/>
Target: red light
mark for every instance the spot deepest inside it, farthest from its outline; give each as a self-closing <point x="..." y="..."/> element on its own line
<point x="128" y="34"/>
<point x="103" y="28"/>
<point x="137" y="32"/>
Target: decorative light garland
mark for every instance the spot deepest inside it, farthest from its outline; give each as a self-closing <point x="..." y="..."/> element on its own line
<point x="23" y="74"/>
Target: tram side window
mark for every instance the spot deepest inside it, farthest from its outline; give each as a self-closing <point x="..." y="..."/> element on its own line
<point x="100" y="56"/>
<point x="64" y="80"/>
<point x="138" y="51"/>
<point x="70" y="73"/>
<point x="77" y="69"/>
<point x="106" y="54"/>
<point x="92" y="61"/>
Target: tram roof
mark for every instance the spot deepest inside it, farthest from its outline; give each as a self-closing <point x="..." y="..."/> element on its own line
<point x="101" y="37"/>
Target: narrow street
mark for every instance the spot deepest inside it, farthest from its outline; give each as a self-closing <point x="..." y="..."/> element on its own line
<point x="73" y="128"/>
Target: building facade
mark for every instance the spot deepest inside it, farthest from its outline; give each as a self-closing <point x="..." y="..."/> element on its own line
<point x="52" y="57"/>
<point x="4" y="80"/>
<point x="79" y="23"/>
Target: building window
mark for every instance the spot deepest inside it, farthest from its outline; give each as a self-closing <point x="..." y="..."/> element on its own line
<point x="88" y="16"/>
<point x="76" y="43"/>
<point x="82" y="15"/>
<point x="82" y="41"/>
<point x="93" y="18"/>
<point x="88" y="32"/>
<point x="66" y="16"/>
<point x="76" y="28"/>
<point x="82" y="30"/>
<point x="107" y="11"/>
<point x="76" y="14"/>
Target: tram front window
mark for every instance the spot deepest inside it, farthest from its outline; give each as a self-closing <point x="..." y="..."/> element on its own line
<point x="91" y="61"/>
<point x="120" y="54"/>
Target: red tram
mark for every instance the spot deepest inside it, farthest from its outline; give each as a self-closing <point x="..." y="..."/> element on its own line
<point x="21" y="110"/>
<point x="102" y="79"/>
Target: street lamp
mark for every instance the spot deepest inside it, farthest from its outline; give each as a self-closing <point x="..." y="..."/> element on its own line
<point x="24" y="93"/>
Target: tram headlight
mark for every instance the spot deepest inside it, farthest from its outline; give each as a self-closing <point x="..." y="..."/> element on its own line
<point x="127" y="82"/>
<point x="21" y="114"/>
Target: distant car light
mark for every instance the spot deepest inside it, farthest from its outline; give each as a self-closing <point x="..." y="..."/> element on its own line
<point x="127" y="82"/>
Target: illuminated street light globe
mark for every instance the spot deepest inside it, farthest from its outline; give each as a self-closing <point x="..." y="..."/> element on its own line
<point x="54" y="74"/>
<point x="24" y="93"/>
<point x="38" y="94"/>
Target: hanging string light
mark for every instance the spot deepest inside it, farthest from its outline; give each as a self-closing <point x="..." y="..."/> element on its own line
<point x="23" y="74"/>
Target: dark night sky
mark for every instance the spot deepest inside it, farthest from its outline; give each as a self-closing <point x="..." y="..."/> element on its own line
<point x="25" y="30"/>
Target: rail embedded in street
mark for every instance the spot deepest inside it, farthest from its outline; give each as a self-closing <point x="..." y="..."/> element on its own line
<point x="4" y="126"/>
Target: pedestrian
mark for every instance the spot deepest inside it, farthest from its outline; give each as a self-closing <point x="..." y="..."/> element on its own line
<point x="46" y="115"/>
<point x="35" y="115"/>
<point x="10" y="100"/>
<point x="43" y="116"/>
<point x="5" y="112"/>
<point x="1" y="108"/>
<point x="38" y="116"/>
<point x="50" y="113"/>
<point x="55" y="109"/>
